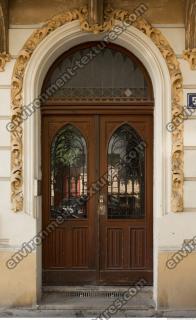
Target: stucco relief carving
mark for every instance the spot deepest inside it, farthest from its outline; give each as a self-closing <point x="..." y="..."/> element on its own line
<point x="190" y="33"/>
<point x="111" y="16"/>
<point x="4" y="57"/>
<point x="4" y="23"/>
<point x="190" y="56"/>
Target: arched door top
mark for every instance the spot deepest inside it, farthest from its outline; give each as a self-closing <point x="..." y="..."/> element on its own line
<point x="98" y="71"/>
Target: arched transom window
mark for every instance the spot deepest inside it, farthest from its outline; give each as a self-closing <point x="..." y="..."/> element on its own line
<point x="97" y="72"/>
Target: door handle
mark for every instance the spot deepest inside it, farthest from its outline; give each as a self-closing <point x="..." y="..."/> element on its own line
<point x="101" y="206"/>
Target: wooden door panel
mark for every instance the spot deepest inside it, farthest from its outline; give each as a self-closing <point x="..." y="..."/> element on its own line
<point x="137" y="248"/>
<point x="80" y="251"/>
<point x="126" y="244"/>
<point x="115" y="239"/>
<point x="56" y="243"/>
<point x="69" y="254"/>
<point x="125" y="277"/>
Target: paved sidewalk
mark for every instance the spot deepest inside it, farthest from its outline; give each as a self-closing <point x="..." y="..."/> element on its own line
<point x="38" y="313"/>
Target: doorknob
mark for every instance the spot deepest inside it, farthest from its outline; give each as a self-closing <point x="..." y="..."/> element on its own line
<point x="101" y="206"/>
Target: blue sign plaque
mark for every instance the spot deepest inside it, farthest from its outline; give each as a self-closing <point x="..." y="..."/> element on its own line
<point x="191" y="100"/>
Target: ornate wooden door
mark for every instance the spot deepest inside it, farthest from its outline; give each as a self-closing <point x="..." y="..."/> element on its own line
<point x="97" y="180"/>
<point x="97" y="158"/>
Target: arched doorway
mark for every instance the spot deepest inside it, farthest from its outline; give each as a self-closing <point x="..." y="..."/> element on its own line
<point x="97" y="166"/>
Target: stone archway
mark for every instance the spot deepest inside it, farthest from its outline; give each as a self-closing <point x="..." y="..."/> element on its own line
<point x="30" y="46"/>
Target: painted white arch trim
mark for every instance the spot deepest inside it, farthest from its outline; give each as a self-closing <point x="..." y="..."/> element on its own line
<point x="135" y="41"/>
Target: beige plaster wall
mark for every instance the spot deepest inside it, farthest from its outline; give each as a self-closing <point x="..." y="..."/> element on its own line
<point x="17" y="286"/>
<point x="177" y="287"/>
<point x="36" y="11"/>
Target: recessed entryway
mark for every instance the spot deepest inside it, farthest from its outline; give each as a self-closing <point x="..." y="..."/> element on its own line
<point x="97" y="160"/>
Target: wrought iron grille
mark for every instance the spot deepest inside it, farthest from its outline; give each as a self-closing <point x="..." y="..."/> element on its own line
<point x="125" y="94"/>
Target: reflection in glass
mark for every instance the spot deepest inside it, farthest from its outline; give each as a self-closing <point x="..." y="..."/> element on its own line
<point x="126" y="174"/>
<point x="69" y="174"/>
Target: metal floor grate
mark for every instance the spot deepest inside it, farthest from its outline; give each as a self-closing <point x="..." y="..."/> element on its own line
<point x="86" y="292"/>
<point x="93" y="293"/>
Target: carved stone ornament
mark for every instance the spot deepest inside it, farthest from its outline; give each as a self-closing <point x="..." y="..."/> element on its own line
<point x="111" y="16"/>
<point x="4" y="24"/>
<point x="4" y="57"/>
<point x="190" y="33"/>
<point x="190" y="56"/>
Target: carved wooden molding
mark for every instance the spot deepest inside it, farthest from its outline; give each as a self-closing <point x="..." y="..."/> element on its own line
<point x="190" y="56"/>
<point x="17" y="84"/>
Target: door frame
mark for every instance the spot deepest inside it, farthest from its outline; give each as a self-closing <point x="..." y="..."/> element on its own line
<point x="45" y="54"/>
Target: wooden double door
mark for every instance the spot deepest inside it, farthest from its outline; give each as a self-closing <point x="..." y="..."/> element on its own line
<point x="97" y="177"/>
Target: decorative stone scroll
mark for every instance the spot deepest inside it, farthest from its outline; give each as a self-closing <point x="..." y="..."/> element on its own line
<point x="190" y="33"/>
<point x="4" y="57"/>
<point x="111" y="17"/>
<point x="4" y="24"/>
<point x="190" y="56"/>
